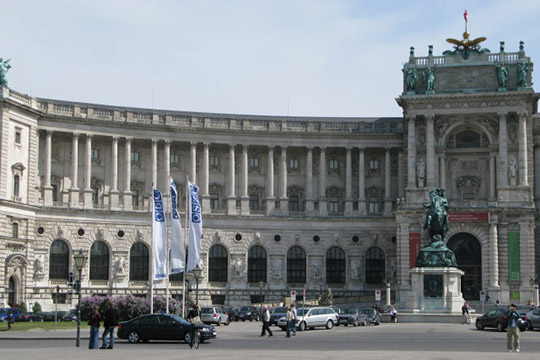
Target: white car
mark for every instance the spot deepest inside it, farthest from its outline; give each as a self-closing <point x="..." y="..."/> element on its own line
<point x="311" y="318"/>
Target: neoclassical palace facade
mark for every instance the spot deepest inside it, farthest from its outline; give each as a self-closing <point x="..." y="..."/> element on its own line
<point x="288" y="202"/>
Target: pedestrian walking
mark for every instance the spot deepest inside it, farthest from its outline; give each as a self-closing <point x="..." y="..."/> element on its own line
<point x="512" y="332"/>
<point x="293" y="320"/>
<point x="111" y="321"/>
<point x="266" y="322"/>
<point x="95" y="317"/>
<point x="194" y="317"/>
<point x="288" y="319"/>
<point x="10" y="320"/>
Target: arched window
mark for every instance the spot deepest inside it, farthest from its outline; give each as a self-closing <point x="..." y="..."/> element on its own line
<point x="375" y="266"/>
<point x="99" y="261"/>
<point x="217" y="264"/>
<point x="296" y="265"/>
<point x="335" y="266"/>
<point x="468" y="139"/>
<point x="138" y="262"/>
<point x="257" y="264"/>
<point x="59" y="260"/>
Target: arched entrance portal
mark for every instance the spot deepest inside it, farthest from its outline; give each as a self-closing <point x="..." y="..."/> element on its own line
<point x="12" y="291"/>
<point x="468" y="253"/>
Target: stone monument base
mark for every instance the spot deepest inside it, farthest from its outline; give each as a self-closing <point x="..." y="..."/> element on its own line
<point x="436" y="289"/>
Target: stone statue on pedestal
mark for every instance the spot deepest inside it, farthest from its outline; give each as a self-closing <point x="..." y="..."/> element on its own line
<point x="4" y="67"/>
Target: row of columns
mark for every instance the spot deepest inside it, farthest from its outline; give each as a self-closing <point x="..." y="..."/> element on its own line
<point x="204" y="186"/>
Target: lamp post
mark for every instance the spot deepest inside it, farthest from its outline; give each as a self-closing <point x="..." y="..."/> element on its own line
<point x="197" y="275"/>
<point x="534" y="284"/>
<point x="80" y="261"/>
<point x="261" y="285"/>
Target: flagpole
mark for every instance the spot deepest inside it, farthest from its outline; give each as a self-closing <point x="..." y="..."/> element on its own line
<point x="167" y="259"/>
<point x="186" y="229"/>
<point x="152" y="259"/>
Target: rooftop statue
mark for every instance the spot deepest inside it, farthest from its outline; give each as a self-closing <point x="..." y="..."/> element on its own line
<point x="4" y="67"/>
<point x="465" y="47"/>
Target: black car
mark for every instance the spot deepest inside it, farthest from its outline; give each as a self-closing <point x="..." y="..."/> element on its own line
<point x="498" y="318"/>
<point x="231" y="312"/>
<point x="248" y="313"/>
<point x="27" y="316"/>
<point x="351" y="316"/>
<point x="372" y="315"/>
<point x="161" y="327"/>
<point x="277" y="313"/>
<point x="50" y="315"/>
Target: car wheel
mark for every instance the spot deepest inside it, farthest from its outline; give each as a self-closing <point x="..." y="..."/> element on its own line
<point x="500" y="327"/>
<point x="302" y="326"/>
<point x="227" y="322"/>
<point x="243" y="320"/>
<point x="218" y="322"/>
<point x="377" y="323"/>
<point x="133" y="337"/>
<point x="355" y="322"/>
<point x="187" y="337"/>
<point x="529" y="325"/>
<point x="479" y="325"/>
<point x="329" y="324"/>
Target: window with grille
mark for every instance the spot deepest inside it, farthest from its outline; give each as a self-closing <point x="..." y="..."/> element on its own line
<point x="18" y="136"/>
<point x="254" y="162"/>
<point x="16" y="185"/>
<point x="135" y="197"/>
<point x="135" y="156"/>
<point x="293" y="163"/>
<point x="296" y="265"/>
<point x="253" y="202"/>
<point x="95" y="153"/>
<point x="175" y="159"/>
<point x="15" y="230"/>
<point x="294" y="203"/>
<point x="335" y="266"/>
<point x="217" y="264"/>
<point x="333" y="164"/>
<point x="374" y="204"/>
<point x="373" y="164"/>
<point x="375" y="266"/>
<point x="99" y="261"/>
<point x="95" y="191"/>
<point x="59" y="260"/>
<point x="256" y="264"/>
<point x="333" y="204"/>
<point x="214" y="201"/>
<point x="138" y="262"/>
<point x="214" y="160"/>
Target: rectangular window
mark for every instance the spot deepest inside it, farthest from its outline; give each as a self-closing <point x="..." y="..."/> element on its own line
<point x="18" y="136"/>
<point x="294" y="203"/>
<point x="175" y="159"/>
<point x="373" y="164"/>
<point x="95" y="153"/>
<point x="373" y="204"/>
<point x="333" y="204"/>
<point x="333" y="164"/>
<point x="214" y="201"/>
<point x="15" y="230"/>
<point x="16" y="185"/>
<point x="135" y="156"/>
<point x="135" y="197"/>
<point x="95" y="191"/>
<point x="54" y="192"/>
<point x="254" y="162"/>
<point x="254" y="202"/>
<point x="214" y="160"/>
<point x="293" y="163"/>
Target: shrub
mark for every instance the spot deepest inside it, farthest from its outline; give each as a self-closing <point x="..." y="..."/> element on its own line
<point x="128" y="306"/>
<point x="36" y="308"/>
<point x="23" y="308"/>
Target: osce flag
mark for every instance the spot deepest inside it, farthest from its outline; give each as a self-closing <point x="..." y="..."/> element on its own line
<point x="159" y="237"/>
<point x="177" y="238"/>
<point x="195" y="228"/>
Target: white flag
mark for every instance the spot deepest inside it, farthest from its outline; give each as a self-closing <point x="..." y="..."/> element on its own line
<point x="177" y="238"/>
<point x="195" y="228"/>
<point x="159" y="237"/>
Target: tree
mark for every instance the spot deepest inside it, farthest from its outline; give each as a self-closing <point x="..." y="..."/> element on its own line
<point x="36" y="308"/>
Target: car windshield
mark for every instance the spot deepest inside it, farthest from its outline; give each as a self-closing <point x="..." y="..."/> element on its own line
<point x="349" y="311"/>
<point x="368" y="311"/>
<point x="179" y="319"/>
<point x="302" y="312"/>
<point x="245" y="308"/>
<point x="278" y="310"/>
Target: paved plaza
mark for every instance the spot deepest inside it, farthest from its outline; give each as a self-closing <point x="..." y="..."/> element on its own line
<point x="242" y="341"/>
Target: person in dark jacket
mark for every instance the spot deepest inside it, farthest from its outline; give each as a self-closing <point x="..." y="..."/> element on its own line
<point x="95" y="316"/>
<point x="512" y="331"/>
<point x="111" y="321"/>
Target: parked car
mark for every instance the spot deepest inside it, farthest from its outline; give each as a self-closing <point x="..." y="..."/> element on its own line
<point x="214" y="315"/>
<point x="248" y="313"/>
<point x="50" y="315"/>
<point x="160" y="327"/>
<point x="311" y="318"/>
<point x="497" y="318"/>
<point x="351" y="316"/>
<point x="533" y="319"/>
<point x="373" y="316"/>
<point x="24" y="317"/>
<point x="36" y="317"/>
<point x="231" y="313"/>
<point x="5" y="311"/>
<point x="277" y="313"/>
<point x="71" y="315"/>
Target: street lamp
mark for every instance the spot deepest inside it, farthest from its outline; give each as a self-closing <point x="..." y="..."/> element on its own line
<point x="534" y="284"/>
<point x="261" y="285"/>
<point x="80" y="261"/>
<point x="197" y="275"/>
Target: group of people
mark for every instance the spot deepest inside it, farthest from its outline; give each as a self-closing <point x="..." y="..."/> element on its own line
<point x="110" y="321"/>
<point x="291" y="317"/>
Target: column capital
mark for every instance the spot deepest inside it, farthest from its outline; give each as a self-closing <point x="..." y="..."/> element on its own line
<point x="128" y="139"/>
<point x="245" y="147"/>
<point x="89" y="136"/>
<point x="502" y="115"/>
<point x="193" y="143"/>
<point x="283" y="147"/>
<point x="206" y="145"/>
<point x="430" y="117"/>
<point x="168" y="142"/>
<point x="361" y="148"/>
<point x="349" y="148"/>
<point x="322" y="148"/>
<point x="76" y="135"/>
<point x="154" y="141"/>
<point x="50" y="132"/>
<point x="115" y="138"/>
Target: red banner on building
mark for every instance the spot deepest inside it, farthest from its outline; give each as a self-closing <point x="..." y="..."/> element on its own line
<point x="468" y="217"/>
<point x="414" y="248"/>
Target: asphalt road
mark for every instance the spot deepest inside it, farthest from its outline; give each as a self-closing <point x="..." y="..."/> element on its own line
<point x="242" y="340"/>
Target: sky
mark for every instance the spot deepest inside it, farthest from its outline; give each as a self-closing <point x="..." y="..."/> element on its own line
<point x="266" y="57"/>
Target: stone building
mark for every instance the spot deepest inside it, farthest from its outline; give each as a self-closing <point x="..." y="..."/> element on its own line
<point x="288" y="202"/>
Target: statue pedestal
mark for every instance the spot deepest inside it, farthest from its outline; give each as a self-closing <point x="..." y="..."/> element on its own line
<point x="436" y="289"/>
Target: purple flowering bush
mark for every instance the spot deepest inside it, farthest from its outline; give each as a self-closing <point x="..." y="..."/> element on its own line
<point x="128" y="306"/>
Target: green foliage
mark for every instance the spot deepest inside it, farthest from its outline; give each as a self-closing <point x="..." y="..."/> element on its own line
<point x="36" y="308"/>
<point x="23" y="308"/>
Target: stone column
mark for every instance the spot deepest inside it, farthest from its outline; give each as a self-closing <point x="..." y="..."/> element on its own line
<point x="74" y="191"/>
<point x="537" y="175"/>
<point x="362" y="183"/>
<point x="270" y="199"/>
<point x="309" y="181"/>
<point x="166" y="171"/>
<point x="387" y="185"/>
<point x="442" y="171"/>
<point x="126" y="195"/>
<point x="205" y="181"/>
<point x="493" y="253"/>
<point x="47" y="188"/>
<point x="283" y="199"/>
<point x="503" y="152"/>
<point x="492" y="174"/>
<point x="244" y="199"/>
<point x="87" y="192"/>
<point x="411" y="154"/>
<point x="114" y="193"/>
<point x="193" y="163"/>
<point x="231" y="199"/>
<point x="523" y="171"/>
<point x="154" y="163"/>
<point x="323" y="207"/>
<point x="401" y="161"/>
<point x="348" y="183"/>
<point x="430" y="151"/>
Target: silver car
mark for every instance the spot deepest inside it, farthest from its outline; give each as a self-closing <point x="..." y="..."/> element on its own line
<point x="214" y="315"/>
<point x="312" y="318"/>
<point x="533" y="319"/>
